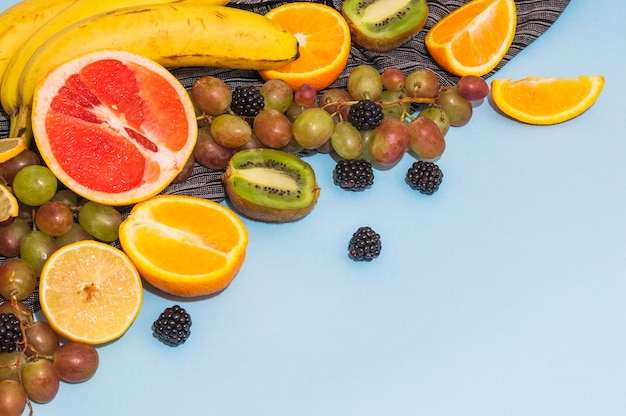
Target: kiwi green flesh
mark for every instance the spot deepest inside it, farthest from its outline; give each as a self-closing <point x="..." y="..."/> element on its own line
<point x="271" y="178"/>
<point x="384" y="24"/>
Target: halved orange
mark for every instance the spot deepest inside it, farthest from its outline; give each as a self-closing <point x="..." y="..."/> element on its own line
<point x="184" y="245"/>
<point x="90" y="292"/>
<point x="113" y="126"/>
<point x="323" y="43"/>
<point x="473" y="39"/>
<point x="536" y="100"/>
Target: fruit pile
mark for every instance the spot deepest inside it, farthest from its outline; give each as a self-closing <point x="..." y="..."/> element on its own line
<point x="33" y="361"/>
<point x="377" y="118"/>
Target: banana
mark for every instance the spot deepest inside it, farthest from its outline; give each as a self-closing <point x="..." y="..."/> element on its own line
<point x="78" y="10"/>
<point x="20" y="21"/>
<point x="184" y="34"/>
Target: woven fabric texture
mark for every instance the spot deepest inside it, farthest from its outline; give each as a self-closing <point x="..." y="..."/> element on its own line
<point x="534" y="18"/>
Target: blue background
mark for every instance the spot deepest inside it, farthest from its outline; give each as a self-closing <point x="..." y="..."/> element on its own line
<point x="504" y="293"/>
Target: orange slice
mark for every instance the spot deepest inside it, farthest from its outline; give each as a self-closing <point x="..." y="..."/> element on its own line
<point x="324" y="44"/>
<point x="473" y="39"/>
<point x="183" y="245"/>
<point x="113" y="126"/>
<point x="537" y="100"/>
<point x="90" y="292"/>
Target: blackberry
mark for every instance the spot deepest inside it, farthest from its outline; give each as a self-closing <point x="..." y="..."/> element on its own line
<point x="173" y="326"/>
<point x="247" y="101"/>
<point x="353" y="174"/>
<point x="365" y="245"/>
<point x="10" y="332"/>
<point x="424" y="177"/>
<point x="366" y="115"/>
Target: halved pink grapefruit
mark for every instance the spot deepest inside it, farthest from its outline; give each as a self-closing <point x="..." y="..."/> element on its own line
<point x="113" y="126"/>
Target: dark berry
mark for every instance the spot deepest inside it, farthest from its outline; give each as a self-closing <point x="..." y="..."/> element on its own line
<point x="353" y="174"/>
<point x="424" y="177"/>
<point x="247" y="101"/>
<point x="366" y="115"/>
<point x="365" y="245"/>
<point x="173" y="326"/>
<point x="10" y="332"/>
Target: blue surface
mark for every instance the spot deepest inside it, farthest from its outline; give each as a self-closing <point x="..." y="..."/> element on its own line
<point x="502" y="294"/>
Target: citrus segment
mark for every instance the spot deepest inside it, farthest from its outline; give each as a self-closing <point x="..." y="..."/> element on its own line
<point x="9" y="206"/>
<point x="184" y="245"/>
<point x="113" y="126"/>
<point x="323" y="44"/>
<point x="90" y="292"/>
<point x="11" y="147"/>
<point x="536" y="100"/>
<point x="473" y="39"/>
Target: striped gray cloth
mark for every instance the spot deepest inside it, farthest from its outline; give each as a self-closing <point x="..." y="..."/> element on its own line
<point x="534" y="18"/>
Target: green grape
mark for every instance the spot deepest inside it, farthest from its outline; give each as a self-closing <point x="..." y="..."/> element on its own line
<point x="10" y="366"/>
<point x="346" y="140"/>
<point x="34" y="185"/>
<point x="440" y="117"/>
<point x="393" y="107"/>
<point x="277" y="94"/>
<point x="230" y="131"/>
<point x="365" y="83"/>
<point x="313" y="127"/>
<point x="17" y="279"/>
<point x="99" y="220"/>
<point x="66" y="196"/>
<point x="456" y="106"/>
<point x="76" y="233"/>
<point x="36" y="248"/>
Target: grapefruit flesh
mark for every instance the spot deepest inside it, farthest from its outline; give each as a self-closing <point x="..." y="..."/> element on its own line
<point x="114" y="127"/>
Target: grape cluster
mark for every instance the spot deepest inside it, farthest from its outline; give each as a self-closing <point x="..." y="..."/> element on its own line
<point x="49" y="217"/>
<point x="378" y="116"/>
<point x="33" y="370"/>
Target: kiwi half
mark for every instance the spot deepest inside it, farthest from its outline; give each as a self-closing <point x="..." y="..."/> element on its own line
<point x="382" y="25"/>
<point x="270" y="185"/>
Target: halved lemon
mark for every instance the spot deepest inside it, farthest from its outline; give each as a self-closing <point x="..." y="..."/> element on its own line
<point x="90" y="292"/>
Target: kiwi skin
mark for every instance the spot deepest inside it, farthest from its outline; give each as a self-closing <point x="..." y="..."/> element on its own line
<point x="251" y="205"/>
<point x="369" y="35"/>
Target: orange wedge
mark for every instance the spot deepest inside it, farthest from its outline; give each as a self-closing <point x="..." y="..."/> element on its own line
<point x="324" y="44"/>
<point x="537" y="100"/>
<point x="183" y="245"/>
<point x="90" y="292"/>
<point x="473" y="39"/>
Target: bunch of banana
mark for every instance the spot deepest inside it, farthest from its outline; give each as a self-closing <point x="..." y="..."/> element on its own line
<point x="21" y="21"/>
<point x="174" y="33"/>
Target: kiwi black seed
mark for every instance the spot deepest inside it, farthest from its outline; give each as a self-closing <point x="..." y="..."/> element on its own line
<point x="270" y="185"/>
<point x="382" y="25"/>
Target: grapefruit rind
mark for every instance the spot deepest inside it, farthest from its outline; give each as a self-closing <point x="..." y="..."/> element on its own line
<point x="106" y="161"/>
